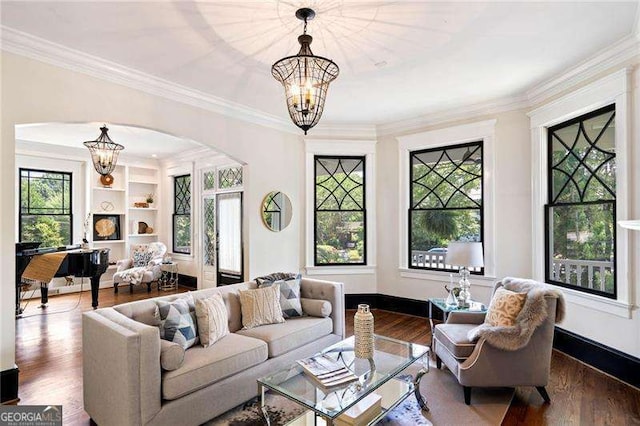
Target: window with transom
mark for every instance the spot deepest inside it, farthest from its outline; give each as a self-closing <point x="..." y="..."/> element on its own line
<point x="340" y="210"/>
<point x="581" y="212"/>
<point x="445" y="203"/>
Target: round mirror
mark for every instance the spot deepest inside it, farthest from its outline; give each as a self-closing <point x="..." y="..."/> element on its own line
<point x="276" y="211"/>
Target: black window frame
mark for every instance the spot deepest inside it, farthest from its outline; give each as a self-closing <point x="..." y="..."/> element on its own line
<point x="177" y="213"/>
<point x="479" y="143"/>
<point x="362" y="158"/>
<point x="550" y="204"/>
<point x="20" y="212"/>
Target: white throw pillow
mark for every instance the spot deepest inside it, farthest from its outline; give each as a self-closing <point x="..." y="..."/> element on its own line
<point x="261" y="306"/>
<point x="212" y="319"/>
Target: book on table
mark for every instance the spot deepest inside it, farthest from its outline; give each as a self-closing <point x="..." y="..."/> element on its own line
<point x="327" y="372"/>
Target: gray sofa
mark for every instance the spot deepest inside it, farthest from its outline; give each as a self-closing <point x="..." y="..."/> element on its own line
<point x="125" y="385"/>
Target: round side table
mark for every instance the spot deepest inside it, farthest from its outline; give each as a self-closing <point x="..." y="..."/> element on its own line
<point x="169" y="277"/>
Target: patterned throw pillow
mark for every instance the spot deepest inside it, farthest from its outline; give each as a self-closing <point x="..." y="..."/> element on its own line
<point x="212" y="319"/>
<point x="261" y="306"/>
<point x="141" y="258"/>
<point x="289" y="295"/>
<point x="505" y="307"/>
<point x="177" y="323"/>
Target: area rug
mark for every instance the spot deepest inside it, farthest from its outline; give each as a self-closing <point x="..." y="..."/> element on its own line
<point x="439" y="387"/>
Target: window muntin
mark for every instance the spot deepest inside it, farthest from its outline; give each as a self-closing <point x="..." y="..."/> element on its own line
<point x="45" y="207"/>
<point x="230" y="177"/>
<point x="182" y="214"/>
<point x="580" y="237"/>
<point x="446" y="202"/>
<point x="339" y="210"/>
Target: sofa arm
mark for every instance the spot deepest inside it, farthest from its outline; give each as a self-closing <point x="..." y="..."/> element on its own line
<point x="330" y="291"/>
<point x="121" y="368"/>
<point x="123" y="265"/>
<point x="458" y="317"/>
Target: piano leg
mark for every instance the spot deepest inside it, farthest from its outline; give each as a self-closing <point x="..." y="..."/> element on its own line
<point x="95" y="286"/>
<point x="44" y="295"/>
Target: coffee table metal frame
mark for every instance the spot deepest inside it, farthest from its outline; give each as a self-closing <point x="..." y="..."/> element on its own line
<point x="343" y="351"/>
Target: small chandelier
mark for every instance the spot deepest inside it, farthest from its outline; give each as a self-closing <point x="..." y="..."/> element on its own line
<point x="104" y="152"/>
<point x="305" y="78"/>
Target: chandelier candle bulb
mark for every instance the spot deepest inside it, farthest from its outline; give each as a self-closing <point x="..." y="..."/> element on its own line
<point x="363" y="330"/>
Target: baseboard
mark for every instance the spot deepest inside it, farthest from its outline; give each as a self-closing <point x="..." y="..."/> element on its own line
<point x="609" y="360"/>
<point x="188" y="281"/>
<point x="9" y="385"/>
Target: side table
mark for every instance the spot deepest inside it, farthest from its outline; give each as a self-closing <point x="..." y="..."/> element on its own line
<point x="169" y="276"/>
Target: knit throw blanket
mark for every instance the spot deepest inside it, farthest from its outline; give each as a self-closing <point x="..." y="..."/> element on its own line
<point x="134" y="275"/>
<point x="533" y="314"/>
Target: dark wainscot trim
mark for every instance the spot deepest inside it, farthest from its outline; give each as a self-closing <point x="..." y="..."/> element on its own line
<point x="609" y="360"/>
<point x="618" y="364"/>
<point x="188" y="281"/>
<point x="9" y="385"/>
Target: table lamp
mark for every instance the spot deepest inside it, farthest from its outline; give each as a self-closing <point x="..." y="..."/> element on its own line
<point x="464" y="255"/>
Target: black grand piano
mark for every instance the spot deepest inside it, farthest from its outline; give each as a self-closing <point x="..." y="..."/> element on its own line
<point x="91" y="263"/>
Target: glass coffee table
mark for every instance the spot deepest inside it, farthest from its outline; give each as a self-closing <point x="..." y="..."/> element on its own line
<point x="379" y="375"/>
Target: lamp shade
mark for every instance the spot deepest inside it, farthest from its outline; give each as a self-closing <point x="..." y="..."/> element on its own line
<point x="468" y="254"/>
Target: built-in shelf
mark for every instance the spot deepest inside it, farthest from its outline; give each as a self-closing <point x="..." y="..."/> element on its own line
<point x="109" y="213"/>
<point x="101" y="188"/>
<point x="142" y="235"/>
<point x="151" y="209"/>
<point x="144" y="182"/>
<point x="108" y="241"/>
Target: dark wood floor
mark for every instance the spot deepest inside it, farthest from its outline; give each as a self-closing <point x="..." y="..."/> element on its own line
<point x="49" y="355"/>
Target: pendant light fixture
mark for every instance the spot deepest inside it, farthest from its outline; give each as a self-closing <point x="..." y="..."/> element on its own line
<point x="305" y="78"/>
<point x="104" y="152"/>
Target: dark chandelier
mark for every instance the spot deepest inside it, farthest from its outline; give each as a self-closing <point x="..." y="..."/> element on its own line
<point x="305" y="78"/>
<point x="104" y="152"/>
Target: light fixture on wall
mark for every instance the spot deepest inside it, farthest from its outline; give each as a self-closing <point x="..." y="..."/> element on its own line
<point x="104" y="152"/>
<point x="634" y="225"/>
<point x="305" y="78"/>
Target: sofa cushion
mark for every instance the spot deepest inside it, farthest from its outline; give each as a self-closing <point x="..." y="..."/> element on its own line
<point x="212" y="319"/>
<point x="293" y="333"/>
<point x="178" y="321"/>
<point x="205" y="366"/>
<point x="316" y="307"/>
<point x="261" y="306"/>
<point x="454" y="338"/>
<point x="171" y="355"/>
<point x="289" y="295"/>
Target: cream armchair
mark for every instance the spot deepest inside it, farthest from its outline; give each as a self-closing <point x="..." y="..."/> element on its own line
<point x="143" y="267"/>
<point x="482" y="364"/>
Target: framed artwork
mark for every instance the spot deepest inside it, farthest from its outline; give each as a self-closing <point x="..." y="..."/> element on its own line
<point x="106" y="227"/>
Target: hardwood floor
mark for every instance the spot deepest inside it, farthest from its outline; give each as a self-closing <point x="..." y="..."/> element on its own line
<point x="49" y="355"/>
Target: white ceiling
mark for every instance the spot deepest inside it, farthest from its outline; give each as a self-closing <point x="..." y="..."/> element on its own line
<point x="137" y="141"/>
<point x="398" y="59"/>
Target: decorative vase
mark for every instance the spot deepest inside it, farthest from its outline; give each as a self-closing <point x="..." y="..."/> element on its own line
<point x="363" y="330"/>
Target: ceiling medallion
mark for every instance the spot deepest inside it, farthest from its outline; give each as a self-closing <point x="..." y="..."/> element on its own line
<point x="305" y="78"/>
<point x="104" y="152"/>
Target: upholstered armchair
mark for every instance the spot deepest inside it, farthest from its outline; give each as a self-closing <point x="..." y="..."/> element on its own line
<point x="502" y="356"/>
<point x="143" y="267"/>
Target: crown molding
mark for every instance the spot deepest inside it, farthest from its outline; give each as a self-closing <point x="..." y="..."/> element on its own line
<point x="620" y="53"/>
<point x="24" y="44"/>
<point x="415" y="124"/>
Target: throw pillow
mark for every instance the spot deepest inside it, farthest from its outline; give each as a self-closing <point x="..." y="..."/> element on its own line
<point x="141" y="258"/>
<point x="289" y="295"/>
<point x="177" y="322"/>
<point x="505" y="307"/>
<point x="171" y="355"/>
<point x="212" y="319"/>
<point x="276" y="276"/>
<point x="261" y="306"/>
<point x="316" y="307"/>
